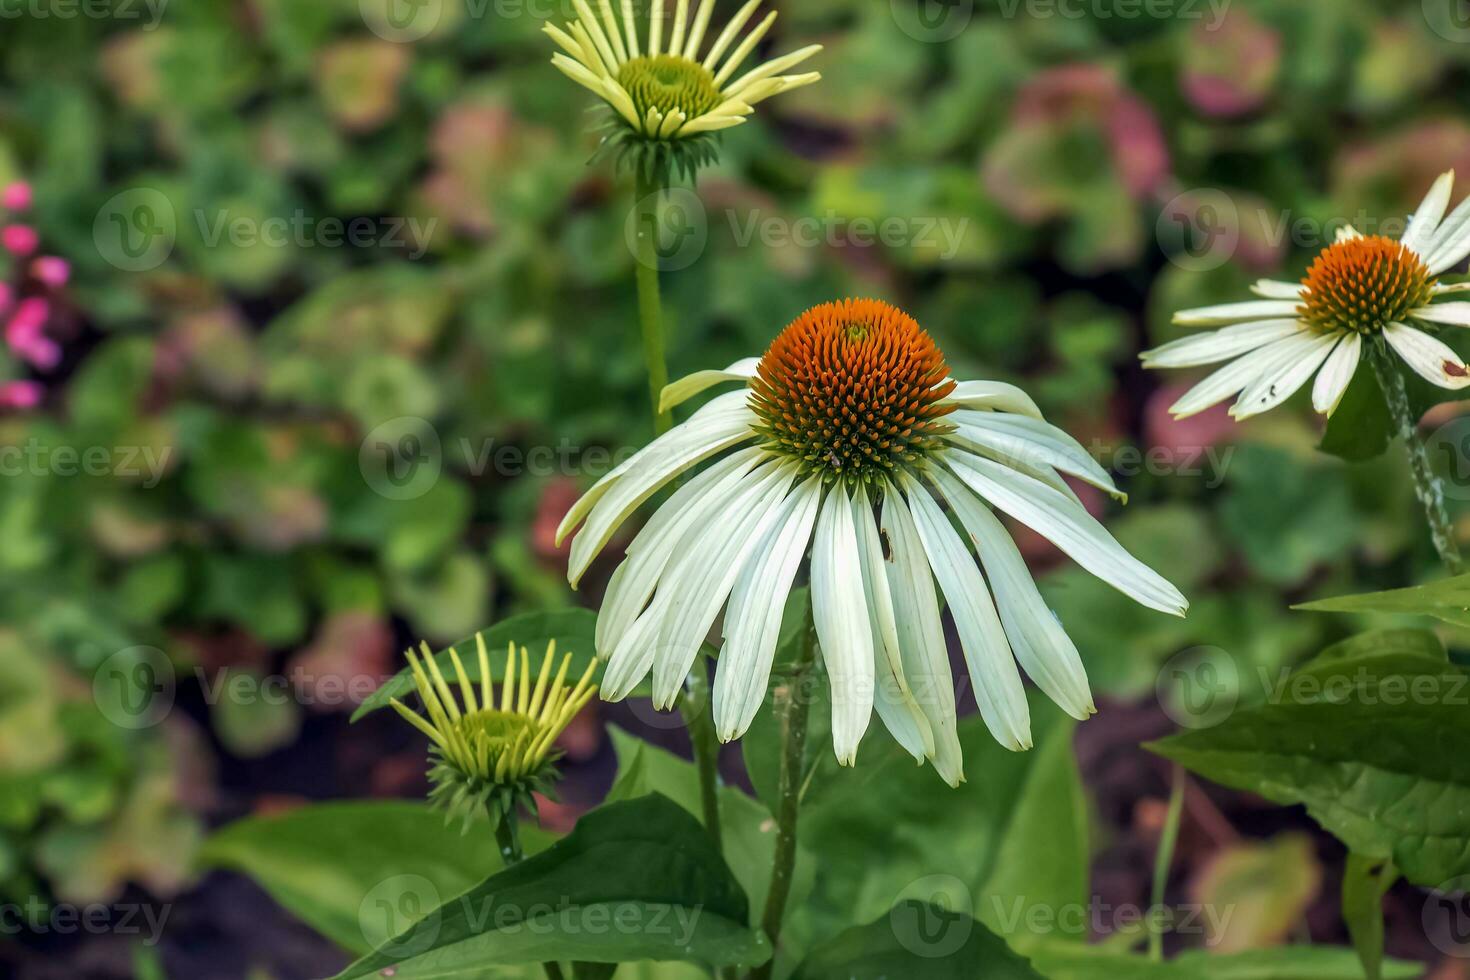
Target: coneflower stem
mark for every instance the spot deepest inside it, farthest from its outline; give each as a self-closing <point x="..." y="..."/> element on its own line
<point x="792" y="705"/>
<point x="1427" y="485"/>
<point x="699" y="717"/>
<point x="647" y="191"/>
<point x="508" y="836"/>
<point x="1163" y="861"/>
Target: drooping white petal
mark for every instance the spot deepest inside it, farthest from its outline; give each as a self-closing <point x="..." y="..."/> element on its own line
<point x="753" y="618"/>
<point x="1337" y="371"/>
<point x="1451" y="242"/>
<point x="840" y="613"/>
<point x="1070" y="528"/>
<point x="1235" y="376"/>
<point x="993" y="396"/>
<point x="921" y="634"/>
<point x="1454" y="314"/>
<point x="662" y="460"/>
<point x="998" y="688"/>
<point x="1431" y="359"/>
<point x="1045" y="651"/>
<point x="1018" y="438"/>
<point x="1276" y="289"/>
<point x="1219" y="345"/>
<point x="648" y="556"/>
<point x="700" y="580"/>
<point x="1425" y="221"/>
<point x="891" y="695"/>
<point x="1272" y="389"/>
<point x="1228" y="313"/>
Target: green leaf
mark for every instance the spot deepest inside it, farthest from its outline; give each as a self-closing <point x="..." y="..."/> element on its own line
<point x="1074" y="962"/>
<point x="1376" y="747"/>
<point x="635" y="880"/>
<point x="1378" y="643"/>
<point x="917" y="941"/>
<point x="1448" y="599"/>
<point x="358" y="872"/>
<point x="572" y="629"/>
<point x="1364" y="883"/>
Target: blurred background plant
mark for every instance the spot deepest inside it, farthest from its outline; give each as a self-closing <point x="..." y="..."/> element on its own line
<point x="334" y="321"/>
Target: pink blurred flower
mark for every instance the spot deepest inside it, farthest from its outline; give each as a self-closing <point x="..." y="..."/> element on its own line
<point x="19" y="239"/>
<point x="7" y="297"/>
<point x="25" y="334"/>
<point x="20" y="394"/>
<point x="16" y="196"/>
<point x="1231" y="68"/>
<point x="51" y="270"/>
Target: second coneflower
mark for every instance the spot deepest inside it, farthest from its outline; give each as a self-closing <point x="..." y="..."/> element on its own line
<point x="846" y="440"/>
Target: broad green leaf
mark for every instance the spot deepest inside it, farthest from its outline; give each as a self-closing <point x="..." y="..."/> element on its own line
<point x="636" y="880"/>
<point x="1074" y="962"/>
<point x="1377" y="748"/>
<point x="1364" y="883"/>
<point x="1378" y="643"/>
<point x="916" y="941"/>
<point x="572" y="629"/>
<point x="1448" y="599"/>
<point x="359" y="872"/>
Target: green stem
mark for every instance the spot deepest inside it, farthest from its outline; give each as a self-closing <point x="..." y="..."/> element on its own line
<point x="508" y="836"/>
<point x="699" y="717"/>
<point x="792" y="707"/>
<point x="647" y="191"/>
<point x="1163" y="861"/>
<point x="1426" y="482"/>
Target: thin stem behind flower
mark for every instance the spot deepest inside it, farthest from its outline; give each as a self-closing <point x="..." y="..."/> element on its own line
<point x="1163" y="861"/>
<point x="508" y="836"/>
<point x="647" y="193"/>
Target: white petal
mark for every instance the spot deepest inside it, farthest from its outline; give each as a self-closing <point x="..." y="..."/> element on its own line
<point x="1070" y="528"/>
<point x="692" y="384"/>
<point x="700" y="580"/>
<point x="1347" y="233"/>
<point x="1227" y="313"/>
<point x="753" y="619"/>
<point x="998" y="688"/>
<point x="1425" y="221"/>
<point x="1045" y="651"/>
<point x="921" y="634"/>
<point x="993" y="396"/>
<point x="1235" y="376"/>
<point x="1451" y="242"/>
<point x="1431" y="359"/>
<point x="1276" y="289"/>
<point x="1446" y="288"/>
<point x="1272" y="389"/>
<point x="1017" y="438"/>
<point x="1337" y="372"/>
<point x="891" y="695"/>
<point x="635" y="579"/>
<point x="1219" y="345"/>
<point x="840" y="613"/>
<point x="1455" y="314"/>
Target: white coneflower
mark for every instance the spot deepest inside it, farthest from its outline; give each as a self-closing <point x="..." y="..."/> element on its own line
<point x="661" y="88"/>
<point x="492" y="754"/>
<point x="848" y="436"/>
<point x="1358" y="290"/>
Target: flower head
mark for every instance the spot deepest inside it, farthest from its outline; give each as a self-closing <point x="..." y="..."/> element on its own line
<point x="492" y="753"/>
<point x="1360" y="289"/>
<point x="666" y="100"/>
<point x="845" y="442"/>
